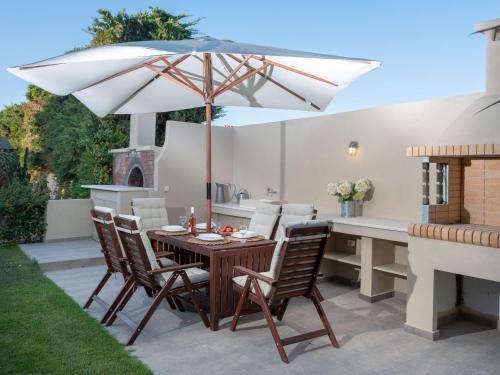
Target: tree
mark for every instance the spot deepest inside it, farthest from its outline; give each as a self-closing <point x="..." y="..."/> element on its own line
<point x="74" y="143"/>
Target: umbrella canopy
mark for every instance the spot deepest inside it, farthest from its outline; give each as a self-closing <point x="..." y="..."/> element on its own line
<point x="163" y="76"/>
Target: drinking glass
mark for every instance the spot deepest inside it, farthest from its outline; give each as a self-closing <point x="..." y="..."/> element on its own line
<point x="183" y="221"/>
<point x="216" y="225"/>
<point x="243" y="230"/>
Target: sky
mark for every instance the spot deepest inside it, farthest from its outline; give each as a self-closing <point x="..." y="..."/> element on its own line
<point x="425" y="47"/>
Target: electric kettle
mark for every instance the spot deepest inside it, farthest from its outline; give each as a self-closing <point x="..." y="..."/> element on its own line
<point x="242" y="194"/>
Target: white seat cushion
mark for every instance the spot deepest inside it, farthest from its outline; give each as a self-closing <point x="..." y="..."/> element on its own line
<point x="152" y="211"/>
<point x="292" y="213"/>
<point x="166" y="262"/>
<point x="195" y="275"/>
<point x="264" y="219"/>
<point x="266" y="288"/>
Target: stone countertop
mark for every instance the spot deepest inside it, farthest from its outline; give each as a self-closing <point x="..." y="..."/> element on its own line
<point x="370" y="222"/>
<point x="117" y="188"/>
<point x="232" y="209"/>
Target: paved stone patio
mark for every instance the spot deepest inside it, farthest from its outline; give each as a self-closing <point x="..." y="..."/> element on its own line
<point x="371" y="336"/>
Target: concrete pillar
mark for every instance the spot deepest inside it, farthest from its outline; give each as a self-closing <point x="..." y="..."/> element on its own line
<point x="142" y="129"/>
<point x="376" y="285"/>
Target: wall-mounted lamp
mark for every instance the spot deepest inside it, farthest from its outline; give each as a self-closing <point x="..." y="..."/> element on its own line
<point x="353" y="148"/>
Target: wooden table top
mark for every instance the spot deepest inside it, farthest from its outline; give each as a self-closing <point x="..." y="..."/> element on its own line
<point x="182" y="242"/>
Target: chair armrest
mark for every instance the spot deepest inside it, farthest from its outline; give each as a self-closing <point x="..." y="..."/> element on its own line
<point x="164" y="254"/>
<point x="255" y="275"/>
<point x="179" y="267"/>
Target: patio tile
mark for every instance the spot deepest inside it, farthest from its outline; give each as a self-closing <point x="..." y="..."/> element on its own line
<point x="371" y="336"/>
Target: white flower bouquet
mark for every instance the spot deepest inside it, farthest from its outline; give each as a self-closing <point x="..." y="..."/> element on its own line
<point x="349" y="191"/>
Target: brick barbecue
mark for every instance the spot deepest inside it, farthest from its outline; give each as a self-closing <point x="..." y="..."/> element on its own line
<point x="466" y="206"/>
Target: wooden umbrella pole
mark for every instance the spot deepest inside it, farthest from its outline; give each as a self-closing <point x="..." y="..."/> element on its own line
<point x="207" y="62"/>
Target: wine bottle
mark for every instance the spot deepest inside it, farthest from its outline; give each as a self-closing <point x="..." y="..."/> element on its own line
<point x="192" y="222"/>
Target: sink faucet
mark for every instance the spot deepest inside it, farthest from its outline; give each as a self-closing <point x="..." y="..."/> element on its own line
<point x="270" y="192"/>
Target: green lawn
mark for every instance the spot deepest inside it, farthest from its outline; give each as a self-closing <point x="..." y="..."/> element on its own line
<point x="43" y="331"/>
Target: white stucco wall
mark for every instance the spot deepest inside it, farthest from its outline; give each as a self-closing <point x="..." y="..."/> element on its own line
<point x="314" y="152"/>
<point x="68" y="218"/>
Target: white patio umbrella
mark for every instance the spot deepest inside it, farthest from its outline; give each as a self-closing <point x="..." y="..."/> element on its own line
<point x="163" y="76"/>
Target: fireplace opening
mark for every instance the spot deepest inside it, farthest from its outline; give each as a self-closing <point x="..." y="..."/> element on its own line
<point x="136" y="177"/>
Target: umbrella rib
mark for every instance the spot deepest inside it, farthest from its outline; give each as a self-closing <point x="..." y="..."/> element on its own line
<point x="131" y="69"/>
<point x="294" y="70"/>
<point x="231" y="75"/>
<point x="249" y="74"/>
<point x="278" y="84"/>
<point x="38" y="66"/>
<point x="136" y="92"/>
<point x="180" y="74"/>
<point x="173" y="78"/>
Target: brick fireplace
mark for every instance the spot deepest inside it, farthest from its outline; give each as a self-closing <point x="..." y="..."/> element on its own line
<point x="134" y="167"/>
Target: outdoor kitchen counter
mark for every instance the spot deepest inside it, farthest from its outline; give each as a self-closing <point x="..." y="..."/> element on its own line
<point x="376" y="256"/>
<point x="381" y="228"/>
<point x="233" y="209"/>
<point x="117" y="197"/>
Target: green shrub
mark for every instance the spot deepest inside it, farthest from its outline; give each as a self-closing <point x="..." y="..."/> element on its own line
<point x="22" y="211"/>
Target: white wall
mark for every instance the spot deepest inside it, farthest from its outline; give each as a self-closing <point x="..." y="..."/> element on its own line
<point x="68" y="218"/>
<point x="181" y="164"/>
<point x="314" y="152"/>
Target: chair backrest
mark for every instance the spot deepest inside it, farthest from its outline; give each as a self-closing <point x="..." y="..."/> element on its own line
<point x="293" y="212"/>
<point x="108" y="237"/>
<point x="264" y="219"/>
<point x="152" y="211"/>
<point x="297" y="258"/>
<point x="138" y="248"/>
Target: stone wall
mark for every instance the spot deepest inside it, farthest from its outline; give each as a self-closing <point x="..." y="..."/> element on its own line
<point x="125" y="162"/>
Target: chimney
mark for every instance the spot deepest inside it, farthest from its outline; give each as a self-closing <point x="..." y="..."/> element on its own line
<point x="142" y="130"/>
<point x="491" y="30"/>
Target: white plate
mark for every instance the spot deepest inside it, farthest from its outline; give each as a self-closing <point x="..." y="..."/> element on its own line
<point x="203" y="225"/>
<point x="173" y="228"/>
<point x="209" y="237"/>
<point x="248" y="234"/>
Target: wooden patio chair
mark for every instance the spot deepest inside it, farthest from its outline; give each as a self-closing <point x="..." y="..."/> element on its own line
<point x="293" y="273"/>
<point x="159" y="282"/>
<point x="114" y="256"/>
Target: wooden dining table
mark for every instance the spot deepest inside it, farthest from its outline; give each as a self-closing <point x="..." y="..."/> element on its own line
<point x="219" y="260"/>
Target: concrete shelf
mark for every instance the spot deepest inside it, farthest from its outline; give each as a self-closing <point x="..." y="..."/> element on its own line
<point x="398" y="270"/>
<point x="347" y="258"/>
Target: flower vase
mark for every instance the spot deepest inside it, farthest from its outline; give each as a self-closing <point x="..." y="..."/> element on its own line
<point x="348" y="208"/>
<point x="359" y="208"/>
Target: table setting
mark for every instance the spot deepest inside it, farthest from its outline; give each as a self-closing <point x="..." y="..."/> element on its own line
<point x="220" y="235"/>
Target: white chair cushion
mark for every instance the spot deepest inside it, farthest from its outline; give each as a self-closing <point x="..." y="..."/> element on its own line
<point x="165" y="262"/>
<point x="266" y="288"/>
<point x="195" y="275"/>
<point x="264" y="219"/>
<point x="152" y="212"/>
<point x="276" y="256"/>
<point x="292" y="213"/>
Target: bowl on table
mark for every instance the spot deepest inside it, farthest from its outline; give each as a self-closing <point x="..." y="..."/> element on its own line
<point x="246" y="234"/>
